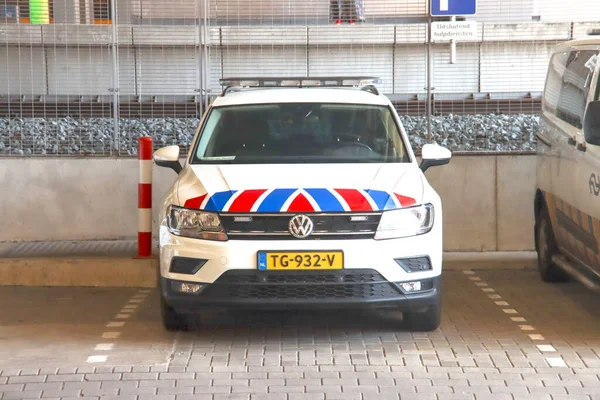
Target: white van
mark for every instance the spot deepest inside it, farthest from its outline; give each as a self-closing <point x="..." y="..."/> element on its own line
<point x="567" y="200"/>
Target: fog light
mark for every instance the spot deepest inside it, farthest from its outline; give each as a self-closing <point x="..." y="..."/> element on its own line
<point x="184" y="287"/>
<point x="411" y="286"/>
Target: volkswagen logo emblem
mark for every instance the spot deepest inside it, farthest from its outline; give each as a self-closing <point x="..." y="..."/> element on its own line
<point x="300" y="226"/>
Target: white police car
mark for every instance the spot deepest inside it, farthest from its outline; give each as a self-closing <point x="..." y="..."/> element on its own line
<point x="301" y="192"/>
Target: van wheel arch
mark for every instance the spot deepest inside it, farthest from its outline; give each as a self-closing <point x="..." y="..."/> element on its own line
<point x="549" y="272"/>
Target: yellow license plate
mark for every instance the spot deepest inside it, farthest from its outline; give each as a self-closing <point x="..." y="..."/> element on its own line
<point x="295" y="260"/>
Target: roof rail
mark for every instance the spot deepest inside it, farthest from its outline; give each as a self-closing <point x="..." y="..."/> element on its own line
<point x="363" y="82"/>
<point x="593" y="32"/>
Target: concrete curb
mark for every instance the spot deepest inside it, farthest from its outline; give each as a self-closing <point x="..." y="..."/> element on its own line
<point x="490" y="260"/>
<point x="79" y="271"/>
<point x="121" y="271"/>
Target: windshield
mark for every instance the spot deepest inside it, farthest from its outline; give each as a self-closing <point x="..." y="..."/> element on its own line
<point x="303" y="132"/>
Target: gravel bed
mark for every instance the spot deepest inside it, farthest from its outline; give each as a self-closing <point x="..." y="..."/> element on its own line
<point x="94" y="136"/>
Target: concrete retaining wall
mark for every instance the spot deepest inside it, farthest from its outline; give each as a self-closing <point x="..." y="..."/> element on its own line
<point x="488" y="200"/>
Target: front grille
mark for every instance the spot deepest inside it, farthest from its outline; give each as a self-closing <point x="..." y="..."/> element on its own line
<point x="238" y="277"/>
<point x="313" y="285"/>
<point x="275" y="226"/>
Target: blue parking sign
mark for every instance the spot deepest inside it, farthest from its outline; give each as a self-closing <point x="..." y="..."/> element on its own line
<point x="441" y="8"/>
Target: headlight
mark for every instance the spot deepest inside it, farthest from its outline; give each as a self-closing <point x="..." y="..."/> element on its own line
<point x="405" y="222"/>
<point x="195" y="224"/>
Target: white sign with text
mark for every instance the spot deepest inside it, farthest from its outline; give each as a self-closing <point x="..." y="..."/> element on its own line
<point x="448" y="30"/>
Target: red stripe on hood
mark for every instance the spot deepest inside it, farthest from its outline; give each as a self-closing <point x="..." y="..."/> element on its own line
<point x="405" y="201"/>
<point x="245" y="201"/>
<point x="355" y="199"/>
<point x="300" y="204"/>
<point x="195" y="202"/>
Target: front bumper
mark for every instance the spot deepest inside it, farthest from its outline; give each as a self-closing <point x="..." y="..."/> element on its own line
<point x="314" y="289"/>
<point x="379" y="255"/>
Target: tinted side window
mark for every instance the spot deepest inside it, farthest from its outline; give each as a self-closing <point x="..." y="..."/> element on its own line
<point x="554" y="81"/>
<point x="576" y="83"/>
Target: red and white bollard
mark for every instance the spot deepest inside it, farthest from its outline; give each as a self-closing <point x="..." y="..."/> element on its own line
<point x="145" y="197"/>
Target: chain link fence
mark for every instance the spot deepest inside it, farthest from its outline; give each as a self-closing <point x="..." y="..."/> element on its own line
<point x="88" y="77"/>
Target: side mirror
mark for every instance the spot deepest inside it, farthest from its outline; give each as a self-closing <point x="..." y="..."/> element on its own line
<point x="433" y="155"/>
<point x="168" y="157"/>
<point x="591" y="123"/>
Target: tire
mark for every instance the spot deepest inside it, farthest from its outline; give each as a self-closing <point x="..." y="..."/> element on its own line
<point x="546" y="249"/>
<point x="172" y="321"/>
<point x="424" y="321"/>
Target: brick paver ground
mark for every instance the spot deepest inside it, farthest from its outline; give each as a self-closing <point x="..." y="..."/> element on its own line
<point x="505" y="335"/>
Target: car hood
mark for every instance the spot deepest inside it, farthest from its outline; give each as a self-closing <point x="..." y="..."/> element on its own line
<point x="300" y="187"/>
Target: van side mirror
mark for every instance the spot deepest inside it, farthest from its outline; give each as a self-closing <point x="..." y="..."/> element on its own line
<point x="168" y="157"/>
<point x="433" y="155"/>
<point x="591" y="123"/>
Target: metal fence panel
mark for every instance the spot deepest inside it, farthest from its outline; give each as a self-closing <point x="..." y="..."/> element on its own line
<point x="276" y="61"/>
<point x="410" y="76"/>
<point x="167" y="71"/>
<point x="24" y="70"/>
<point x="462" y="76"/>
<point x="347" y="60"/>
<point x="514" y="67"/>
<point x="79" y="71"/>
<point x="83" y="78"/>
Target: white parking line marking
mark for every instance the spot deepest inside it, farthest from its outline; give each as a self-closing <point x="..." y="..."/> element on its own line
<point x="526" y="328"/>
<point x="544" y="348"/>
<point x="132" y="304"/>
<point x="96" y="359"/>
<point x="556" y="362"/>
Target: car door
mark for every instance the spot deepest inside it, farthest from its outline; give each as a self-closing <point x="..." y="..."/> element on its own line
<point x="587" y="179"/>
<point x="558" y="153"/>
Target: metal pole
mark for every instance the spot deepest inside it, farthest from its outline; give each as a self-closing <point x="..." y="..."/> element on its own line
<point x="452" y="45"/>
<point x="145" y="197"/>
<point x="200" y="59"/>
<point x="115" y="71"/>
<point x="206" y="55"/>
<point x="429" y="106"/>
